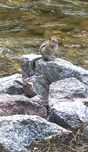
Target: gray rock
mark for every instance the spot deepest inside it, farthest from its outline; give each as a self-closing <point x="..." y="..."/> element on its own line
<point x="67" y="89"/>
<point x="19" y="104"/>
<point x="19" y="131"/>
<point x="53" y="70"/>
<point x="11" y="84"/>
<point x="36" y="85"/>
<point x="85" y="131"/>
<point x="69" y="114"/>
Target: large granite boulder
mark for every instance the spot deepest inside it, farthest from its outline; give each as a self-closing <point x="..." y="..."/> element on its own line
<point x="18" y="132"/>
<point x="19" y="104"/>
<point x="68" y="99"/>
<point x="53" y="70"/>
<point x="11" y="84"/>
<point x="68" y="88"/>
<point x="69" y="113"/>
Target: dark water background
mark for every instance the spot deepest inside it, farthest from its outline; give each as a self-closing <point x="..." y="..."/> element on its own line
<point x="25" y="24"/>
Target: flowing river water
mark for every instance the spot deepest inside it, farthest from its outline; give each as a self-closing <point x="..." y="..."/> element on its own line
<point x="25" y="24"/>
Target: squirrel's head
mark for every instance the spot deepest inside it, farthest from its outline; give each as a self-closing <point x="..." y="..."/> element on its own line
<point x="54" y="42"/>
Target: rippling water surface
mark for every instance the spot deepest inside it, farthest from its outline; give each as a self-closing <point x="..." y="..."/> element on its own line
<point x="25" y="24"/>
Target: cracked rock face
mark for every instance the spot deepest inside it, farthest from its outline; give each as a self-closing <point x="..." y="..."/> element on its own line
<point x="18" y="131"/>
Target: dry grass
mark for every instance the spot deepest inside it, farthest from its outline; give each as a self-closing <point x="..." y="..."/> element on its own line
<point x="75" y="142"/>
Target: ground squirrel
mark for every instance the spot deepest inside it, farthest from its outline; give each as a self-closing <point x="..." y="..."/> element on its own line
<point x="47" y="50"/>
